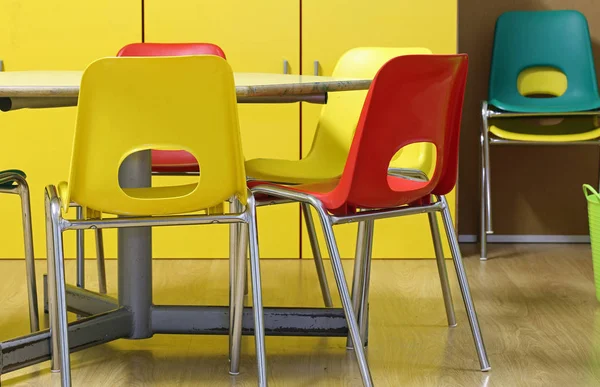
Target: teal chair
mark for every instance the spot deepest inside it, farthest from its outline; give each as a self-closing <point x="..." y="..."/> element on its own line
<point x="13" y="181"/>
<point x="542" y="66"/>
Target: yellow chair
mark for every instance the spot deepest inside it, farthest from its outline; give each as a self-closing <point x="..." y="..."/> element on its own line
<point x="130" y="105"/>
<point x="333" y="136"/>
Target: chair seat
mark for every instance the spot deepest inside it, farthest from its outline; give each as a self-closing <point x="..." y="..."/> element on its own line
<point x="10" y="183"/>
<point x="174" y="161"/>
<point x="520" y="104"/>
<point x="411" y="191"/>
<point x="292" y="171"/>
<point x="545" y="137"/>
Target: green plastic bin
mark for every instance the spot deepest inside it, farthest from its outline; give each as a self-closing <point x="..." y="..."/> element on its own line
<point x="593" y="199"/>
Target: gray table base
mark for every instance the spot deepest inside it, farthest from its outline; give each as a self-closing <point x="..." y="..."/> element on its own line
<point x="107" y="321"/>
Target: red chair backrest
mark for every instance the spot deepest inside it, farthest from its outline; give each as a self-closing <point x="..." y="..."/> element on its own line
<point x="171" y="49"/>
<point x="414" y="98"/>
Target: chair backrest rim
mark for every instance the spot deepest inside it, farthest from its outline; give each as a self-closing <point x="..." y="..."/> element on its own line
<point x="558" y="39"/>
<point x="132" y="94"/>
<point x="392" y="119"/>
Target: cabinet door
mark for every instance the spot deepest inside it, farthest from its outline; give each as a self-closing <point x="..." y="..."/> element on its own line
<point x="52" y="35"/>
<point x="256" y="36"/>
<point x="379" y="23"/>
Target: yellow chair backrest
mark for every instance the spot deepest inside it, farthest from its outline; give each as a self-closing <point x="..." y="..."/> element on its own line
<point x="128" y="105"/>
<point x="339" y="117"/>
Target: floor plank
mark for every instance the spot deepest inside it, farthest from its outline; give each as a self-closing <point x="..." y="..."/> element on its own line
<point x="536" y="303"/>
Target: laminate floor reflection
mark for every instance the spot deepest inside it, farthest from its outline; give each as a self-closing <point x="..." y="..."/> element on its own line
<point x="536" y="304"/>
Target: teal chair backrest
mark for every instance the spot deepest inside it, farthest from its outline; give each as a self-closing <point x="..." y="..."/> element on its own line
<point x="529" y="39"/>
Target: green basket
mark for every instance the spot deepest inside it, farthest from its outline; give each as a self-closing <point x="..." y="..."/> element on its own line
<point x="593" y="199"/>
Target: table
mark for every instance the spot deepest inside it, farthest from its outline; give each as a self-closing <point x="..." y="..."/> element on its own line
<point x="44" y="89"/>
<point x="133" y="315"/>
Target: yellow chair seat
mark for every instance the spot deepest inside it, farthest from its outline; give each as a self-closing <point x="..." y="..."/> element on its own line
<point x="291" y="171"/>
<point x="546" y="137"/>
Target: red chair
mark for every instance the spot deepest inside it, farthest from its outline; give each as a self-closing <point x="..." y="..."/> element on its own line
<point x="172" y="162"/>
<point x="412" y="99"/>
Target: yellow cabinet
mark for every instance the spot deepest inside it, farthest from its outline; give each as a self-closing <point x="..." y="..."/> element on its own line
<point x="330" y="28"/>
<point x="52" y="35"/>
<point x="256" y="36"/>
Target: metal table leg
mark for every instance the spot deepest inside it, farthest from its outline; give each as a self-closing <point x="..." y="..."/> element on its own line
<point x="87" y="332"/>
<point x="83" y="302"/>
<point x="135" y="251"/>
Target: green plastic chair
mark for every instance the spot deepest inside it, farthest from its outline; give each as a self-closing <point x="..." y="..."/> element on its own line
<point x="559" y="39"/>
<point x="542" y="65"/>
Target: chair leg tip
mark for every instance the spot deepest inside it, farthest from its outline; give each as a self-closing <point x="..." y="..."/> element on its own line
<point x="483" y="258"/>
<point x="234" y="373"/>
<point x="486" y="369"/>
<point x="453" y="325"/>
<point x="55" y="371"/>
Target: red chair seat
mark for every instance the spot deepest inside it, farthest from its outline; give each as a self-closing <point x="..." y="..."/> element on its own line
<point x="173" y="161"/>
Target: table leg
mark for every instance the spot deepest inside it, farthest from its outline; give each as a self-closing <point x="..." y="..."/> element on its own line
<point x="135" y="252"/>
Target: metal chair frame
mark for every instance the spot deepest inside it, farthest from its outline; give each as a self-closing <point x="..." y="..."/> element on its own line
<point x="487" y="139"/>
<point x="56" y="225"/>
<point x="22" y="189"/>
<point x="356" y="307"/>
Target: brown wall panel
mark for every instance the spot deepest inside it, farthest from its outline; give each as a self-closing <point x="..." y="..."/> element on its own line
<point x="535" y="190"/>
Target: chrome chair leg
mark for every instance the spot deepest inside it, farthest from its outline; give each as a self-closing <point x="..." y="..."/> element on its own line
<point x="60" y="309"/>
<point x="486" y="157"/>
<point x="233" y="247"/>
<point x="318" y="258"/>
<point x="441" y="264"/>
<point x="34" y="319"/>
<point x="340" y="280"/>
<point x="358" y="275"/>
<point x="236" y="309"/>
<point x="80" y="251"/>
<point x="259" y="328"/>
<point x="482" y="203"/>
<point x="363" y="315"/>
<point x="239" y="232"/>
<point x="464" y="286"/>
<point x="53" y="318"/>
<point x="100" y="261"/>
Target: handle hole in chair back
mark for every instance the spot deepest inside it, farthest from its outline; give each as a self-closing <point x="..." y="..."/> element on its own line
<point x="542" y="82"/>
<point x="165" y="187"/>
<point x="417" y="156"/>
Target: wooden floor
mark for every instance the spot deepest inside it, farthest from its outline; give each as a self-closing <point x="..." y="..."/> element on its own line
<point x="536" y="304"/>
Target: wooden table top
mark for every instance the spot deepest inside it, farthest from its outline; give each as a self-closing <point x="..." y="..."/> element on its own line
<point x="39" y="84"/>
